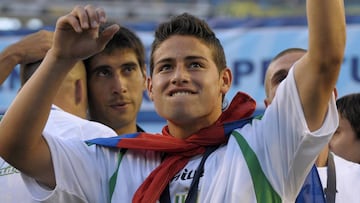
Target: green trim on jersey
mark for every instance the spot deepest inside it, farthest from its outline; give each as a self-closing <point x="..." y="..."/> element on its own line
<point x="113" y="178"/>
<point x="263" y="189"/>
<point x="258" y="117"/>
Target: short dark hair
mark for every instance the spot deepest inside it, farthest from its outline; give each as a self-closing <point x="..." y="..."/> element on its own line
<point x="349" y="108"/>
<point x="124" y="38"/>
<point x="27" y="70"/>
<point x="287" y="51"/>
<point x="189" y="25"/>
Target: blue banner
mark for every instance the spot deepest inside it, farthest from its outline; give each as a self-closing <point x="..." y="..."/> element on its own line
<point x="248" y="52"/>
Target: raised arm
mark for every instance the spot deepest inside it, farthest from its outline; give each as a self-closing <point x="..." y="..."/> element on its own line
<point x="29" y="49"/>
<point x="317" y="72"/>
<point x="21" y="144"/>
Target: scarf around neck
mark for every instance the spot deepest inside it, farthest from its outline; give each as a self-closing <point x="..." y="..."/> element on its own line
<point x="179" y="151"/>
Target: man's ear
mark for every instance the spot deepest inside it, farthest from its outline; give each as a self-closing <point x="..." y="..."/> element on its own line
<point x="78" y="92"/>
<point x="149" y="88"/>
<point x="144" y="76"/>
<point x="335" y="93"/>
<point x="226" y="80"/>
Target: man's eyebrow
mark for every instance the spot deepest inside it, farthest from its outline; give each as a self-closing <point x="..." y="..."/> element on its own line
<point x="130" y="63"/>
<point x="195" y="57"/>
<point x="192" y="57"/>
<point x="164" y="60"/>
<point x="95" y="68"/>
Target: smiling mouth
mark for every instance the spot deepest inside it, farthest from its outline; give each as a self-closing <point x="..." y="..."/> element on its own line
<point x="118" y="105"/>
<point x="181" y="93"/>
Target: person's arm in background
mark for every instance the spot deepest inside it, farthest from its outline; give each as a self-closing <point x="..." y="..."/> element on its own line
<point x="76" y="37"/>
<point x="317" y="72"/>
<point x="31" y="48"/>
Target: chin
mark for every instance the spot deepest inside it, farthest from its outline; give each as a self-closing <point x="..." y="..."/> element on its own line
<point x="176" y="115"/>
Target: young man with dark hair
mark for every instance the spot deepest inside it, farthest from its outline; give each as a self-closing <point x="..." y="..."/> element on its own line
<point x="116" y="82"/>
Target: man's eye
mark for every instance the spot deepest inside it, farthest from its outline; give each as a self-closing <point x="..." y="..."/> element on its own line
<point x="129" y="68"/>
<point x="103" y="73"/>
<point x="165" y="68"/>
<point x="195" y="65"/>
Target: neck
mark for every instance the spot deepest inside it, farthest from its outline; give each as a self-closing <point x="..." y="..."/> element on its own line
<point x="321" y="161"/>
<point x="126" y="130"/>
<point x="241" y="106"/>
<point x="183" y="131"/>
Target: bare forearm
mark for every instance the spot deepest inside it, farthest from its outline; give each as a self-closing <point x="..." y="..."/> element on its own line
<point x="317" y="72"/>
<point x="327" y="32"/>
<point x="9" y="58"/>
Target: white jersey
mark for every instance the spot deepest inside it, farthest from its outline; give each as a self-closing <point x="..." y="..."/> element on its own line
<point x="347" y="180"/>
<point x="265" y="161"/>
<point x="12" y="187"/>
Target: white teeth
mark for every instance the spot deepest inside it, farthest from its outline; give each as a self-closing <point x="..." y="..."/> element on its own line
<point x="181" y="93"/>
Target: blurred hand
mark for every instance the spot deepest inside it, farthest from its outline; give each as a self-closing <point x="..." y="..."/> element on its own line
<point x="34" y="47"/>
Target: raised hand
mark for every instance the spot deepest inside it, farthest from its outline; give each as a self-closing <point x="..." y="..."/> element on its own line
<point x="77" y="33"/>
<point x="33" y="47"/>
<point x="29" y="49"/>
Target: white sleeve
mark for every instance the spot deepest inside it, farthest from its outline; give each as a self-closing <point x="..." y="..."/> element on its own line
<point x="284" y="144"/>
